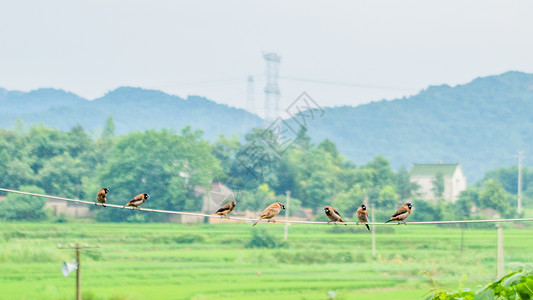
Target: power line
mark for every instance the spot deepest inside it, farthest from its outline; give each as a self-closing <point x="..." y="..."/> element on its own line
<point x="348" y="84"/>
<point x="248" y="219"/>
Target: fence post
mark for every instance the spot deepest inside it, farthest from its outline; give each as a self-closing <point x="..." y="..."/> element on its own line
<point x="499" y="271"/>
<point x="373" y="231"/>
<point x="286" y="234"/>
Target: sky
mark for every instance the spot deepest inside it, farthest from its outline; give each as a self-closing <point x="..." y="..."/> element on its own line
<point x="348" y="52"/>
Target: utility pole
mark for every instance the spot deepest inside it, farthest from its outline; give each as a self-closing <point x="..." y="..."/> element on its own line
<point x="499" y="265"/>
<point x="78" y="274"/>
<point x="519" y="182"/>
<point x="373" y="234"/>
<point x="78" y="248"/>
<point x="286" y="234"/>
<point x="462" y="239"/>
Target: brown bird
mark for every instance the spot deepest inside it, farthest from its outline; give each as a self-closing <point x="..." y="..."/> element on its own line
<point x="101" y="196"/>
<point x="402" y="213"/>
<point x="226" y="209"/>
<point x="270" y="212"/>
<point x="362" y="216"/>
<point x="333" y="214"/>
<point x="137" y="200"/>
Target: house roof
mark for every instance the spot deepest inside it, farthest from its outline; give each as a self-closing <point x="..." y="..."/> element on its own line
<point x="424" y="170"/>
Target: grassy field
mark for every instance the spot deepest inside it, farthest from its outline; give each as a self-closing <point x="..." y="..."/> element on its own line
<point x="171" y="261"/>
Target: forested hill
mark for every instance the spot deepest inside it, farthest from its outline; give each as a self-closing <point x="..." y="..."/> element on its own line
<point x="481" y="124"/>
<point x="132" y="109"/>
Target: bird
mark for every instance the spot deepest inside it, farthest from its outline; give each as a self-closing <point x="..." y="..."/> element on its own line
<point x="270" y="212"/>
<point x="333" y="214"/>
<point x="137" y="200"/>
<point x="226" y="209"/>
<point x="402" y="213"/>
<point x="101" y="196"/>
<point x="362" y="216"/>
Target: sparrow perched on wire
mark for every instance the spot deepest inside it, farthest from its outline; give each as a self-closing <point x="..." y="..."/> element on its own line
<point x="137" y="200"/>
<point x="226" y="209"/>
<point x="101" y="196"/>
<point x="402" y="213"/>
<point x="333" y="214"/>
<point x="270" y="212"/>
<point x="362" y="216"/>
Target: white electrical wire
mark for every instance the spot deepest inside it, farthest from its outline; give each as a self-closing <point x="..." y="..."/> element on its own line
<point x="248" y="220"/>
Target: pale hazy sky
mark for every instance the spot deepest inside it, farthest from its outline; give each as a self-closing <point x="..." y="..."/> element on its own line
<point x="385" y="49"/>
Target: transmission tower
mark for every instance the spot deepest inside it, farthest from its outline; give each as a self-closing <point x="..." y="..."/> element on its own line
<point x="272" y="92"/>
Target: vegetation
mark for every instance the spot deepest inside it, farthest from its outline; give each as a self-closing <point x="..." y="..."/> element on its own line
<point x="481" y="124"/>
<point x="173" y="261"/>
<point x="20" y="207"/>
<point x="172" y="167"/>
<point x="515" y="285"/>
<point x="262" y="239"/>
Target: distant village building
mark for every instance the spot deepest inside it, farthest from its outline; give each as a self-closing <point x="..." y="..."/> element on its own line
<point x="218" y="195"/>
<point x="69" y="209"/>
<point x="425" y="176"/>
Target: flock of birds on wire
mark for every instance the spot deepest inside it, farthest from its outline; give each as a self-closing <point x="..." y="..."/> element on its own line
<point x="273" y="209"/>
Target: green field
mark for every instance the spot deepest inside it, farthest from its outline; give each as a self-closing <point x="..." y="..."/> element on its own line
<point x="172" y="261"/>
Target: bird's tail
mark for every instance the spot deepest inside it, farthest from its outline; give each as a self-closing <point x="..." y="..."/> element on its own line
<point x="388" y="221"/>
<point x="256" y="221"/>
<point x="367" y="227"/>
<point x="124" y="206"/>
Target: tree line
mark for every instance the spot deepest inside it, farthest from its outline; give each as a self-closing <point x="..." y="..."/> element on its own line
<point x="174" y="166"/>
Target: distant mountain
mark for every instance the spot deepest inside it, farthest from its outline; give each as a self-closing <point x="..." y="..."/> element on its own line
<point x="482" y="125"/>
<point x="35" y="101"/>
<point x="132" y="109"/>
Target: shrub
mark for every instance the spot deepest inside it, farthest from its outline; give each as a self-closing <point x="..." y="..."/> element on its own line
<point x="262" y="239"/>
<point x="515" y="285"/>
<point x="189" y="239"/>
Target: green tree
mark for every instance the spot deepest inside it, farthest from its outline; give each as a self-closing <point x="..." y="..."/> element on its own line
<point x="380" y="175"/>
<point x="225" y="150"/>
<point x="19" y="173"/>
<point x="438" y="184"/>
<point x="62" y="176"/>
<point x="257" y="199"/>
<point x="303" y="140"/>
<point x="44" y="143"/>
<point x="348" y="202"/>
<point x="23" y="207"/>
<point x="167" y="166"/>
<point x="387" y="197"/>
<point x="108" y="132"/>
<point x="330" y="147"/>
<point x="316" y="182"/>
<point x="494" y="196"/>
<point x="404" y="186"/>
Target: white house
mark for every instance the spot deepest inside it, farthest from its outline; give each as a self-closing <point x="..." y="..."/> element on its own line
<point x="425" y="174"/>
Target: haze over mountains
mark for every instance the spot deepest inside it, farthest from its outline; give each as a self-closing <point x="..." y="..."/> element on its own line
<point x="481" y="124"/>
<point x="132" y="109"/>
